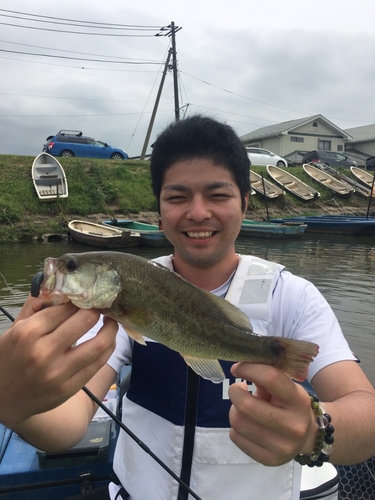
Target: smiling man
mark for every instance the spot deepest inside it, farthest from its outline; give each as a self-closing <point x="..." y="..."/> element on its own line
<point x="247" y="447"/>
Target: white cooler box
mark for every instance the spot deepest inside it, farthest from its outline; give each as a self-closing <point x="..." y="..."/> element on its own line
<point x="320" y="483"/>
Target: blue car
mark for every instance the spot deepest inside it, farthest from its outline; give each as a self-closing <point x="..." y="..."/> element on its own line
<point x="73" y="143"/>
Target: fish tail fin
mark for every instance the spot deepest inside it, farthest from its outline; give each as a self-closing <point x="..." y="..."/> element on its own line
<point x="296" y="355"/>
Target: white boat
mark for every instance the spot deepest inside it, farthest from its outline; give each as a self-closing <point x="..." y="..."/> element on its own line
<point x="292" y="184"/>
<point x="270" y="190"/>
<point x="335" y="185"/>
<point x="362" y="189"/>
<point x="99" y="235"/>
<point x="363" y="175"/>
<point x="49" y="178"/>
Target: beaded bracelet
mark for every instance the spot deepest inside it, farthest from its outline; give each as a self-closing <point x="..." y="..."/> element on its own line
<point x="323" y="446"/>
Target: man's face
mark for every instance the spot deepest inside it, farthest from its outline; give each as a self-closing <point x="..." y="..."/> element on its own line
<point x="200" y="207"/>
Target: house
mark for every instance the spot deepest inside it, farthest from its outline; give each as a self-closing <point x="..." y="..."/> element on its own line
<point x="362" y="144"/>
<point x="294" y="138"/>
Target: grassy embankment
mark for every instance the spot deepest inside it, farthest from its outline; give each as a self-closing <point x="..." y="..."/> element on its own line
<point x="111" y="187"/>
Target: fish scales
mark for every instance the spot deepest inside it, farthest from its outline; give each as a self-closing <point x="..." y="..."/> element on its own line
<point x="151" y="301"/>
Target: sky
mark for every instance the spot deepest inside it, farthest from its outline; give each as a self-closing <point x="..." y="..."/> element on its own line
<point x="247" y="63"/>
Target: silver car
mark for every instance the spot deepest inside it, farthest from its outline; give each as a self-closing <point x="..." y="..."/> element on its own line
<point x="260" y="156"/>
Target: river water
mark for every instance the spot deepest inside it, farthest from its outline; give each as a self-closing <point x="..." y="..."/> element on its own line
<point x="342" y="268"/>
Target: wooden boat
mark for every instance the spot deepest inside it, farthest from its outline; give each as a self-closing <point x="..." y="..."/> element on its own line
<point x="358" y="186"/>
<point x="335" y="185"/>
<point x="335" y="224"/>
<point x="150" y="234"/>
<point x="292" y="184"/>
<point x="363" y="175"/>
<point x="49" y="178"/>
<point x="254" y="229"/>
<point x="270" y="190"/>
<point x="102" y="236"/>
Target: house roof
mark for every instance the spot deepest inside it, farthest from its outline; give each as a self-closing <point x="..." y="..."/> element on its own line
<point x="285" y="127"/>
<point x="361" y="134"/>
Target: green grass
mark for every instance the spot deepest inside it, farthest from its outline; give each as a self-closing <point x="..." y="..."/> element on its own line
<point x="101" y="186"/>
<point x="94" y="186"/>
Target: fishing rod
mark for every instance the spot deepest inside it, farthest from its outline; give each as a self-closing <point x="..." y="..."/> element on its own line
<point x="126" y="429"/>
<point x="8" y="315"/>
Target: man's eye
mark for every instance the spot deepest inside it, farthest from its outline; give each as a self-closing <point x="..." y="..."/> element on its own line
<point x="175" y="198"/>
<point x="219" y="195"/>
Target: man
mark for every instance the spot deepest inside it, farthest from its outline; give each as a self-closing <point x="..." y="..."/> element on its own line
<point x="242" y="447"/>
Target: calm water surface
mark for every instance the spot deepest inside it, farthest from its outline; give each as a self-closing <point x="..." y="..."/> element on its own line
<point x="343" y="269"/>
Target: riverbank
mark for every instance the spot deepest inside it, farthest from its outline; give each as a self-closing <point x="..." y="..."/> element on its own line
<point x="105" y="189"/>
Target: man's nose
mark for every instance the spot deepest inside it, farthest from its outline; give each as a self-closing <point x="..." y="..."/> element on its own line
<point x="198" y="209"/>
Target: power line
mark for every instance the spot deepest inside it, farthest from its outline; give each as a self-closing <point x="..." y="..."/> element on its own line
<point x="71" y="115"/>
<point x="77" y="58"/>
<point x="87" y="68"/>
<point x="76" y="32"/>
<point x="265" y="103"/>
<point x="243" y="96"/>
<point x="86" y="22"/>
<point x="68" y="98"/>
<point x="80" y="25"/>
<point x="67" y="51"/>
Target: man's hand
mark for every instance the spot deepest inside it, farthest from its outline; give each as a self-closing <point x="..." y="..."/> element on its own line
<point x="39" y="367"/>
<point x="276" y="423"/>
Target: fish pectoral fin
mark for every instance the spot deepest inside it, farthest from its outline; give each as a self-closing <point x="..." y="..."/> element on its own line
<point x="135" y="335"/>
<point x="209" y="369"/>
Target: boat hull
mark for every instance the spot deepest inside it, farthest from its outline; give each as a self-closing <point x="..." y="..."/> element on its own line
<point x="270" y="191"/>
<point x="363" y="176"/>
<point x="359" y="187"/>
<point x="150" y="234"/>
<point x="270" y="230"/>
<point x="326" y="180"/>
<point x="292" y="184"/>
<point x="361" y="226"/>
<point x="98" y="235"/>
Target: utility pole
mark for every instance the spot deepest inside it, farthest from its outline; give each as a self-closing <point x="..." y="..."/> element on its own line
<point x="174" y="62"/>
<point x="142" y="157"/>
<point x="172" y="30"/>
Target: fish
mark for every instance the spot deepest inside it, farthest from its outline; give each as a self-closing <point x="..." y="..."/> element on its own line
<point x="152" y="302"/>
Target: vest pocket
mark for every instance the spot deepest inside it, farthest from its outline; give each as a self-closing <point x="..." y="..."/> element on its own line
<point x="213" y="446"/>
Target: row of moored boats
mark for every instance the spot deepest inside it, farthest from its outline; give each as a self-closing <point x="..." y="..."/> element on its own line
<point x="50" y="183"/>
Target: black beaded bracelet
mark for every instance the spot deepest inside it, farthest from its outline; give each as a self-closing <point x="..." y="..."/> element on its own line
<point x="323" y="446"/>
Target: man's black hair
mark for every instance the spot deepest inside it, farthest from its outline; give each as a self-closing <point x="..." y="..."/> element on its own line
<point x="200" y="137"/>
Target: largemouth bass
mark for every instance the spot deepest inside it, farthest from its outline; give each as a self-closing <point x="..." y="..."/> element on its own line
<point x="153" y="302"/>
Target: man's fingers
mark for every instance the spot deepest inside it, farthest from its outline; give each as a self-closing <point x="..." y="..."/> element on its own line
<point x="270" y="381"/>
<point x="94" y="350"/>
<point x="30" y="307"/>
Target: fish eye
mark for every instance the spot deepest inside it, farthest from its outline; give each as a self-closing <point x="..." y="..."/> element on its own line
<point x="71" y="265"/>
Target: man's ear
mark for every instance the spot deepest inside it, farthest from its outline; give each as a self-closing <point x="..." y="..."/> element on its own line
<point x="246" y="202"/>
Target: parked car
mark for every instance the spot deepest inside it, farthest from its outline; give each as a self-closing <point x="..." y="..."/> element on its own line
<point x="73" y="143"/>
<point x="260" y="156"/>
<point x="370" y="163"/>
<point x="331" y="158"/>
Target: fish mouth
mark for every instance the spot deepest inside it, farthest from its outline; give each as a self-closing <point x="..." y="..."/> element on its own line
<point x="198" y="235"/>
<point x="53" y="281"/>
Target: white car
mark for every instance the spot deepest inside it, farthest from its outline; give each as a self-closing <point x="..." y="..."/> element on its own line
<point x="259" y="156"/>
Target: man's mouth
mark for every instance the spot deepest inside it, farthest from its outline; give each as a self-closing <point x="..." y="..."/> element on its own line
<point x="200" y="234"/>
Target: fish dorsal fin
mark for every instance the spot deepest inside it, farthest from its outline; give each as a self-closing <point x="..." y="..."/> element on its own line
<point x="235" y="315"/>
<point x="209" y="369"/>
